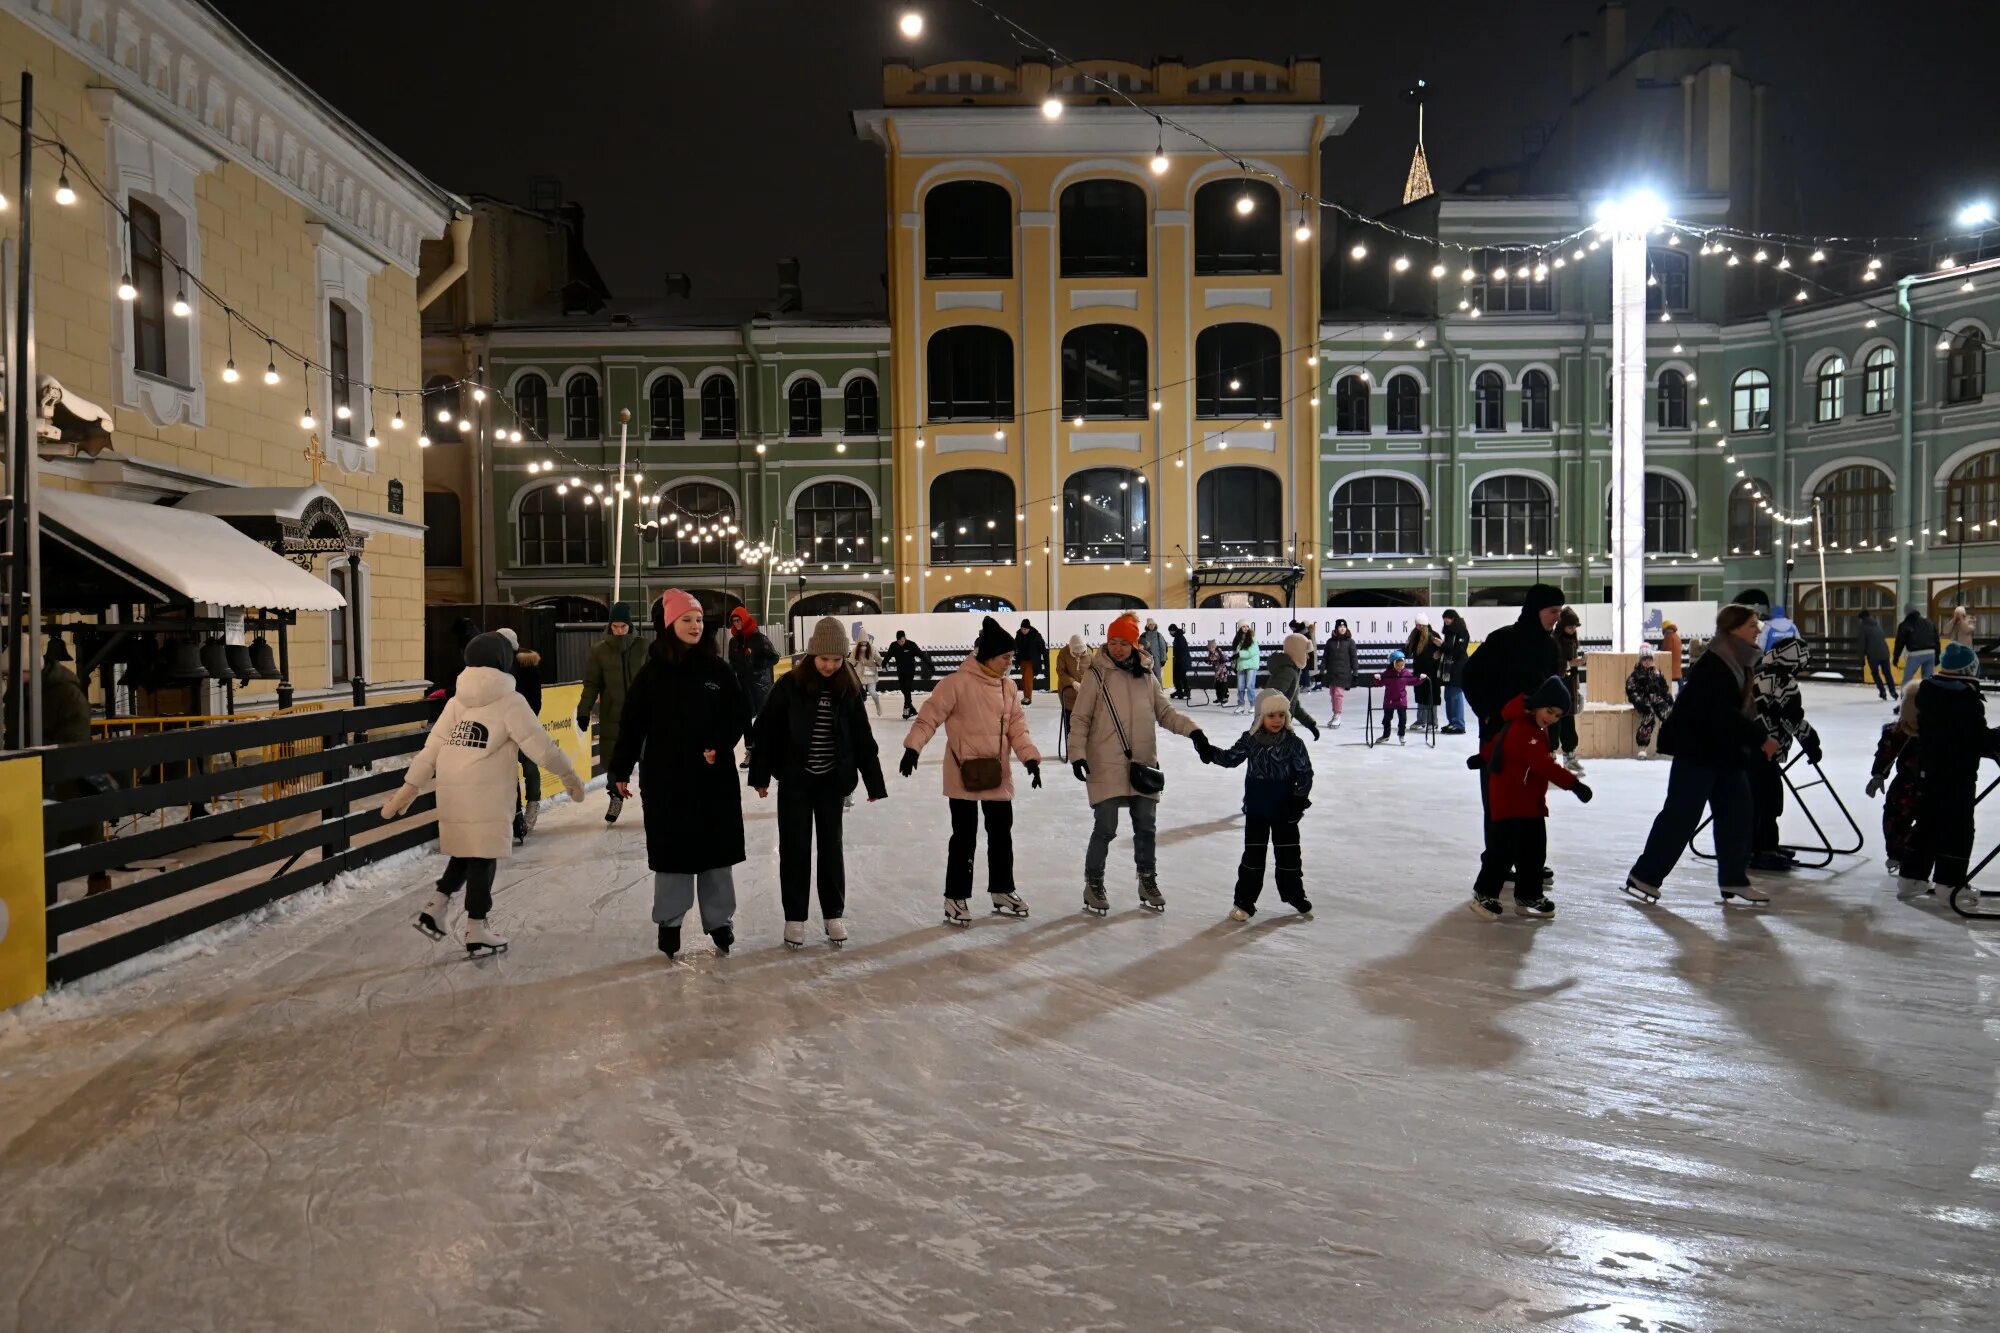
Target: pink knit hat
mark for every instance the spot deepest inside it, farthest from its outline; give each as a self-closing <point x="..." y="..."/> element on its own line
<point x="673" y="604"/>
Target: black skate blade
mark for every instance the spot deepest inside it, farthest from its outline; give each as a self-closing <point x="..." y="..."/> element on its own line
<point x="484" y="950"/>
<point x="425" y="926"/>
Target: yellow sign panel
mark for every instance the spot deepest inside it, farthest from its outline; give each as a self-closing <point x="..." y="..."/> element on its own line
<point x="559" y="720"/>
<point x="23" y="928"/>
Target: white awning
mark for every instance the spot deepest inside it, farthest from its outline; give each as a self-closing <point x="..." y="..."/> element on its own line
<point x="181" y="554"/>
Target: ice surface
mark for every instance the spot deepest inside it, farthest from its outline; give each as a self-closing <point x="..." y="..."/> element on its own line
<point x="1392" y="1116"/>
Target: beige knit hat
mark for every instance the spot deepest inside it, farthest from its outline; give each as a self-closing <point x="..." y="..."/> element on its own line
<point x="828" y="639"/>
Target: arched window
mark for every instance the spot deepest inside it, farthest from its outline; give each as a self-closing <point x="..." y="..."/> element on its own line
<point x="1106" y="601"/>
<point x="1849" y="601"/>
<point x="1751" y="528"/>
<point x="1350" y="405"/>
<point x="1405" y="405"/>
<point x="833" y="604"/>
<point x="718" y="408"/>
<point x="583" y="408"/>
<point x="1103" y="230"/>
<point x="1238" y="371"/>
<point x="1489" y="401"/>
<point x="1830" y="402"/>
<point x="1239" y="514"/>
<point x="1878" y="382"/>
<point x="1104" y="372"/>
<point x="1972" y="496"/>
<point x="1673" y="400"/>
<point x="1378" y="516"/>
<point x="973" y="601"/>
<point x="1750" y="402"/>
<point x="1666" y="280"/>
<point x="696" y="525"/>
<point x="531" y="407"/>
<point x="557" y="529"/>
<point x="441" y="409"/>
<point x="971" y="374"/>
<point x="1104" y="515"/>
<point x="1980" y="597"/>
<point x="666" y="407"/>
<point x="1665" y="516"/>
<point x="1512" y="516"/>
<point x="972" y="518"/>
<point x="804" y="400"/>
<point x="1965" y="368"/>
<point x="1230" y="239"/>
<point x="1535" y="400"/>
<point x="968" y="231"/>
<point x="1854" y="505"/>
<point x="863" y="404"/>
<point x="832" y="523"/>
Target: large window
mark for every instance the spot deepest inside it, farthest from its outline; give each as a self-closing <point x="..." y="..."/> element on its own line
<point x="441" y="409"/>
<point x="560" y="529"/>
<point x="1505" y="282"/>
<point x="1350" y="405"/>
<point x="1965" y="368"/>
<point x="1535" y="400"/>
<point x="1103" y="230"/>
<point x="694" y="520"/>
<point x="1973" y="496"/>
<point x="972" y="518"/>
<point x="803" y="401"/>
<point x="583" y="407"/>
<point x="1104" y="372"/>
<point x="1240" y="515"/>
<point x="971" y="374"/>
<point x="718" y="408"/>
<point x="1512" y="516"/>
<point x="1405" y="405"/>
<point x="1230" y="239"/>
<point x="1752" y="531"/>
<point x="1878" y="382"/>
<point x="443" y="541"/>
<point x="1830" y="396"/>
<point x="1981" y="597"/>
<point x="1104" y="515"/>
<point x="968" y="231"/>
<point x="1854" y="505"/>
<point x="1666" y="280"/>
<point x="832" y="524"/>
<point x="862" y="408"/>
<point x="340" y="621"/>
<point x="149" y="276"/>
<point x="1665" y="516"/>
<point x="1489" y="401"/>
<point x="1849" y="601"/>
<point x="1672" y="412"/>
<point x="339" y="376"/>
<point x="666" y="410"/>
<point x="1750" y="402"/>
<point x="1238" y="371"/>
<point x="1378" y="516"/>
<point x="531" y="407"/>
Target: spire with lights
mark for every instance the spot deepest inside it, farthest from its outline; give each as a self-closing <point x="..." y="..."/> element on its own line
<point x="1419" y="184"/>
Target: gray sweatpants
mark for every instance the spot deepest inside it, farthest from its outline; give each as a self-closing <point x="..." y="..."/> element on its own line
<point x="1145" y="813"/>
<point x="674" y="894"/>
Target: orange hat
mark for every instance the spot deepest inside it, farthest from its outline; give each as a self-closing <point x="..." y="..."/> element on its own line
<point x="1126" y="627"/>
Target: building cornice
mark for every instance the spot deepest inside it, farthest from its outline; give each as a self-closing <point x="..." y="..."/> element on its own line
<point x="180" y="61"/>
<point x="1015" y="131"/>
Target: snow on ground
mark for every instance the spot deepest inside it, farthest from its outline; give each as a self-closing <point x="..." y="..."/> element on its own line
<point x="1392" y="1116"/>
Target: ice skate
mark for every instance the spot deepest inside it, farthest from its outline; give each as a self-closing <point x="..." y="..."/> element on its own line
<point x="436" y="915"/>
<point x="1572" y="763"/>
<point x="1774" y="862"/>
<point x="1645" y="893"/>
<point x="670" y="941"/>
<point x="1907" y="888"/>
<point x="1751" y="895"/>
<point x="480" y="941"/>
<point x="1094" y="900"/>
<point x="1336" y="723"/>
<point x="532" y="814"/>
<point x="1009" y="904"/>
<point x="1150" y="896"/>
<point x="724" y="939"/>
<point x="1487" y="909"/>
<point x="1304" y="907"/>
<point x="613" y="807"/>
<point x="956" y="913"/>
<point x="795" y="934"/>
<point x="836" y="932"/>
<point x="1541" y="906"/>
<point x="1241" y="913"/>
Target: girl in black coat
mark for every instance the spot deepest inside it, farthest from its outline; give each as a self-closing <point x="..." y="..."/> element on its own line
<point x="1451" y="672"/>
<point x="1183" y="660"/>
<point x="1951" y="740"/>
<point x="814" y="735"/>
<point x="683" y="716"/>
<point x="1338" y="664"/>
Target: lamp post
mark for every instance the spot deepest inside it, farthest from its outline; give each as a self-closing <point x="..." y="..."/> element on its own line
<point x="1628" y="220"/>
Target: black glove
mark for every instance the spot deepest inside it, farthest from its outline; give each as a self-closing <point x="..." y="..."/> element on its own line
<point x="1202" y="746"/>
<point x="1583" y="792"/>
<point x="909" y="764"/>
<point x="583" y="722"/>
<point x="1810" y="743"/>
<point x="1299" y="807"/>
<point x="1312" y="727"/>
<point x="1034" y="767"/>
<point x="1081" y="767"/>
<point x="1874" y="786"/>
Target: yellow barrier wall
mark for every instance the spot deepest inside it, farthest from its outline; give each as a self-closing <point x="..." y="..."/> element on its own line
<point x="559" y="720"/>
<point x="23" y="928"/>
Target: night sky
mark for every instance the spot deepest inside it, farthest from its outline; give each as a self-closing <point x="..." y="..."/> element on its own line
<point x="712" y="136"/>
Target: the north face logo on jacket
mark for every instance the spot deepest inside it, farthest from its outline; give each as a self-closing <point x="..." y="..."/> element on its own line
<point x="471" y="735"/>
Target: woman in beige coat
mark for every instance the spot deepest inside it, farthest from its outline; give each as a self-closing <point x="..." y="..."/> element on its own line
<point x="980" y="711"/>
<point x="1070" y="663"/>
<point x="1118" y="681"/>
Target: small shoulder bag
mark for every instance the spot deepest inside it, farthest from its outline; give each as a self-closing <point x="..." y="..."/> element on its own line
<point x="1146" y="779"/>
<point x="986" y="772"/>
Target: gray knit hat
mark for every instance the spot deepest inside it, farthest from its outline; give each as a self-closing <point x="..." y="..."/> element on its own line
<point x="490" y="650"/>
<point x="828" y="639"/>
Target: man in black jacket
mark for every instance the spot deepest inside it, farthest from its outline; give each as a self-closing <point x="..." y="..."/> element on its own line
<point x="1514" y="660"/>
<point x="1919" y="638"/>
<point x="904" y="657"/>
<point x="1030" y="651"/>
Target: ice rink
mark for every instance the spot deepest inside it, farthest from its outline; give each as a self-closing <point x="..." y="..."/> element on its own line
<point x="1391" y="1116"/>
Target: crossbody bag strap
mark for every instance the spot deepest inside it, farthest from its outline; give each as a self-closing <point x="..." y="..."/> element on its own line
<point x="1113" y="710"/>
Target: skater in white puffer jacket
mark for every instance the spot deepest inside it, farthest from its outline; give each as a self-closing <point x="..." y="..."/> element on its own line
<point x="473" y="753"/>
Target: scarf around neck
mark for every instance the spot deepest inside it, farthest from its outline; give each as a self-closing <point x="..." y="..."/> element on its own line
<point x="1738" y="656"/>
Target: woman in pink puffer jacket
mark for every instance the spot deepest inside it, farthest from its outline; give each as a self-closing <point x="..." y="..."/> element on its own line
<point x="980" y="711"/>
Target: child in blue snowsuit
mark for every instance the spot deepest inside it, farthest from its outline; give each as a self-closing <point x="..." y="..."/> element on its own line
<point x="1276" y="792"/>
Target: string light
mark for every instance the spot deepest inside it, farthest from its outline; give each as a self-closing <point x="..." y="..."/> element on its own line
<point x="912" y="24"/>
<point x="1052" y="107"/>
<point x="64" y="194"/>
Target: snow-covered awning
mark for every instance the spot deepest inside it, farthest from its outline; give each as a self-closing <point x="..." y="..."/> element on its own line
<point x="173" y="554"/>
<point x="293" y="520"/>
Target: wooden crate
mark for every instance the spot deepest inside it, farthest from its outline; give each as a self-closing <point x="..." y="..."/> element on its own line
<point x="1607" y="731"/>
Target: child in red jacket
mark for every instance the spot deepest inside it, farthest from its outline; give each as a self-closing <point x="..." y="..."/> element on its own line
<point x="1519" y="769"/>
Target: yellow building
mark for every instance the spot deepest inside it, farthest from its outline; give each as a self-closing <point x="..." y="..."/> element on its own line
<point x="1104" y="319"/>
<point x="245" y="192"/>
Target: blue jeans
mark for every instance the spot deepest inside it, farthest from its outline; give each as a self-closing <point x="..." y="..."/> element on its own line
<point x="1454" y="707"/>
<point x="1246" y="689"/>
<point x="1919" y="661"/>
<point x="1691" y="785"/>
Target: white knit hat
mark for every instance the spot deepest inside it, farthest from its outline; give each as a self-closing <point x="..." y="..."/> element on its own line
<point x="1271" y="701"/>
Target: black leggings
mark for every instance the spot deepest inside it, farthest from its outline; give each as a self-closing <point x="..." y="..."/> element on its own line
<point x="965" y="817"/>
<point x="475" y="875"/>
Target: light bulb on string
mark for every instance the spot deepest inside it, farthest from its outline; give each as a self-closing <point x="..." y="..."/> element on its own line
<point x="181" y="308"/>
<point x="514" y="436"/>
<point x="1052" y="107"/>
<point x="1818" y="256"/>
<point x="64" y="194"/>
<point x="1159" y="163"/>
<point x="126" y="291"/>
<point x="911" y="24"/>
<point x="423" y="440"/>
<point x="396" y="420"/>
<point x="372" y="440"/>
<point x="1245" y="204"/>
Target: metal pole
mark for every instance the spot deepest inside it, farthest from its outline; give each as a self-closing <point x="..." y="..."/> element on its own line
<point x="1819" y="541"/>
<point x="768" y="560"/>
<point x="618" y="526"/>
<point x="1628" y="436"/>
<point x="21" y="610"/>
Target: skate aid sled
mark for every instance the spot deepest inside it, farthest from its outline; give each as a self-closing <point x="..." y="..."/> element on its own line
<point x="1969" y="900"/>
<point x="1808" y="857"/>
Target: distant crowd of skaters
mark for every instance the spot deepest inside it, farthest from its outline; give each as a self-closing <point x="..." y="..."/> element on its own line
<point x="674" y="710"/>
